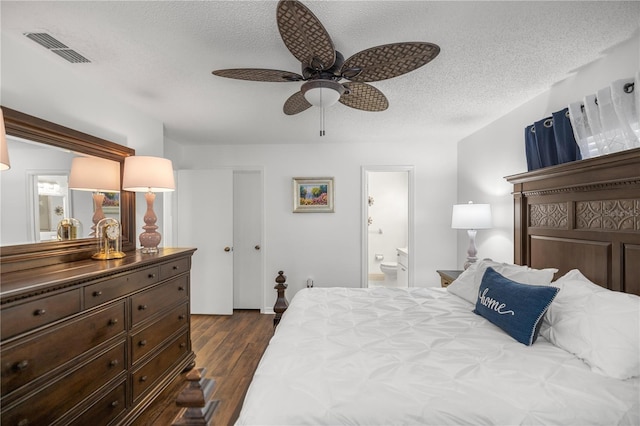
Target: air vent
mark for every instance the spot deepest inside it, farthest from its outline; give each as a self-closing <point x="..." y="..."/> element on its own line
<point x="60" y="49"/>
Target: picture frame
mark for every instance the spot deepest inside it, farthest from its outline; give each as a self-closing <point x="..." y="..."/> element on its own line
<point x="111" y="203"/>
<point x="313" y="195"/>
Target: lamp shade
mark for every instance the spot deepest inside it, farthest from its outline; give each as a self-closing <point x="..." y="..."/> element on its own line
<point x="322" y="93"/>
<point x="471" y="216"/>
<point x="94" y="174"/>
<point x="4" y="151"/>
<point x="148" y="174"/>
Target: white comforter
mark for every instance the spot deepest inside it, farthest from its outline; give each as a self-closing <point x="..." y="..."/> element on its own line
<point x="420" y="357"/>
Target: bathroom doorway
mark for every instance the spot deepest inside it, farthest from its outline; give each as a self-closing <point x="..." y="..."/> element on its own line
<point x="387" y="226"/>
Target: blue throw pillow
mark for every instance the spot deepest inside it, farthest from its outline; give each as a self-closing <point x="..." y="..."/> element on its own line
<point x="516" y="308"/>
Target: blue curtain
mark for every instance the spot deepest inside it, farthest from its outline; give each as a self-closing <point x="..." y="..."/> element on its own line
<point x="531" y="148"/>
<point x="546" y="140"/>
<point x="550" y="141"/>
<point x="566" y="145"/>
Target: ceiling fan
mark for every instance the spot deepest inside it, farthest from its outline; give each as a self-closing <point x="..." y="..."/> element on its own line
<point x="323" y="68"/>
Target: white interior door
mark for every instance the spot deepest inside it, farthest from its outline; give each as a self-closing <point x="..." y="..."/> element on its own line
<point x="204" y="220"/>
<point x="247" y="239"/>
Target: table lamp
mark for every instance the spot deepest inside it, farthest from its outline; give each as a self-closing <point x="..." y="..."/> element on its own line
<point x="148" y="175"/>
<point x="98" y="175"/>
<point x="471" y="217"/>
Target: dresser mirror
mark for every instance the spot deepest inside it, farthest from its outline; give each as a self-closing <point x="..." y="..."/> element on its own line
<point x="34" y="222"/>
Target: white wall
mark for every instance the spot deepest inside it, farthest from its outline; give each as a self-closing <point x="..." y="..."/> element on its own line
<point x="496" y="151"/>
<point x="332" y="254"/>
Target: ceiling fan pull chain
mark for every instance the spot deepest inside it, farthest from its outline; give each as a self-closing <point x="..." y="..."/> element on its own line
<point x="321" y="115"/>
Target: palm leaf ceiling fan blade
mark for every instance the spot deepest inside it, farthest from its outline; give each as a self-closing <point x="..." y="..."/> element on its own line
<point x="257" y="74"/>
<point x="296" y="104"/>
<point x="304" y="35"/>
<point x="364" y="97"/>
<point x="387" y="61"/>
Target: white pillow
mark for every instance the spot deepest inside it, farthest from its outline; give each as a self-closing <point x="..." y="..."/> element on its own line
<point x="600" y="326"/>
<point x="468" y="283"/>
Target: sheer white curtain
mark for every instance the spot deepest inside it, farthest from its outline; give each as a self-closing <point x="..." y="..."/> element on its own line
<point x="609" y="120"/>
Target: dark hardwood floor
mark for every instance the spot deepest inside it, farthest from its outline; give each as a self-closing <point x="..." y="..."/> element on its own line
<point x="229" y="347"/>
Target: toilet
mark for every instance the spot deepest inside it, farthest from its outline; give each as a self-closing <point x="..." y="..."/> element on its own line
<point x="390" y="270"/>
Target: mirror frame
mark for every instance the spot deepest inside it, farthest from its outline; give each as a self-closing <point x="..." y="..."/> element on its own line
<point x="24" y="256"/>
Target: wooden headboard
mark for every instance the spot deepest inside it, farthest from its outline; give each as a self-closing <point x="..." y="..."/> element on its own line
<point x="582" y="215"/>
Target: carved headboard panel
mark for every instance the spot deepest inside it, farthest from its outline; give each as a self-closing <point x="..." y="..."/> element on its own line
<point x="582" y="215"/>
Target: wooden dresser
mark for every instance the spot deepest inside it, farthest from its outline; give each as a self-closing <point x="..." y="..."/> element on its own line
<point x="93" y="342"/>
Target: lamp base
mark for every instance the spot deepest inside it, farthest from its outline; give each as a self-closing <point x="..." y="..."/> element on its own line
<point x="471" y="251"/>
<point x="98" y="215"/>
<point x="470" y="261"/>
<point x="150" y="238"/>
<point x="149" y="250"/>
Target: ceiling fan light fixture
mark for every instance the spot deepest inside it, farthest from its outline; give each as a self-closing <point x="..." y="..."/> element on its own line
<point x="322" y="93"/>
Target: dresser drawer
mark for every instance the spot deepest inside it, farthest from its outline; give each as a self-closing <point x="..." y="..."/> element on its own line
<point x="105" y="409"/>
<point x="41" y="353"/>
<point x="148" y="303"/>
<point x="170" y="269"/>
<point x="104" y="291"/>
<point x="145" y="377"/>
<point x="30" y="315"/>
<point x="52" y="402"/>
<point x="148" y="339"/>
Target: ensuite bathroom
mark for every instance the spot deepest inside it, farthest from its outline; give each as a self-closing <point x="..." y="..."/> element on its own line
<point x="388" y="228"/>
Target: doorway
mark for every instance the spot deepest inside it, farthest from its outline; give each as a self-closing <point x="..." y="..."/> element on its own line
<point x="387" y="226"/>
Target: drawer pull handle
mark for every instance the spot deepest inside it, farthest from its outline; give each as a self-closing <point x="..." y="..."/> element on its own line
<point x="183" y="345"/>
<point x="152" y="275"/>
<point x="142" y="343"/>
<point x="115" y="404"/>
<point x="22" y="365"/>
<point x="181" y="288"/>
<point x="97" y="293"/>
<point x="113" y="321"/>
<point x="181" y="317"/>
<point x="39" y="312"/>
<point x="23" y="422"/>
<point x="142" y="307"/>
<point x="143" y="378"/>
<point x="114" y="362"/>
<point x="176" y="267"/>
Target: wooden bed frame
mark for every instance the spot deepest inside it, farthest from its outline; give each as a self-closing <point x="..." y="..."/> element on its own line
<point x="584" y="215"/>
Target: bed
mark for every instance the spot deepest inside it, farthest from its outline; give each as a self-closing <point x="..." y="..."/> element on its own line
<point x="422" y="356"/>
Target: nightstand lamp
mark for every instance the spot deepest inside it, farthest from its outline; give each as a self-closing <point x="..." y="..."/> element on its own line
<point x="148" y="175"/>
<point x="97" y="175"/>
<point x="471" y="217"/>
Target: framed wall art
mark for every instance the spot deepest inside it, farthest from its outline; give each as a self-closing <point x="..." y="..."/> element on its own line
<point x="313" y="195"/>
<point x="111" y="203"/>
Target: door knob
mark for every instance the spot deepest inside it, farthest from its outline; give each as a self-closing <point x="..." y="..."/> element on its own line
<point x="257" y="247"/>
<point x="227" y="249"/>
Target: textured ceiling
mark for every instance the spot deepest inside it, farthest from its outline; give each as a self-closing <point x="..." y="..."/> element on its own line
<point x="158" y="56"/>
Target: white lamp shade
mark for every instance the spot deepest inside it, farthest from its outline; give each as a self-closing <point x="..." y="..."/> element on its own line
<point x="471" y="216"/>
<point x="4" y="151"/>
<point x="322" y="93"/>
<point x="148" y="174"/>
<point x="322" y="97"/>
<point x="94" y="174"/>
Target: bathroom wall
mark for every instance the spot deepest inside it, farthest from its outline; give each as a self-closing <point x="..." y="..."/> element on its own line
<point x="389" y="215"/>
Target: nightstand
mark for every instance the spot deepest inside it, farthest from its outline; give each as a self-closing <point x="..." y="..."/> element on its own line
<point x="447" y="277"/>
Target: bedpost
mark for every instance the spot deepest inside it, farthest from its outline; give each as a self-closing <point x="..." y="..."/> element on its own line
<point x="281" y="301"/>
